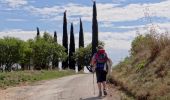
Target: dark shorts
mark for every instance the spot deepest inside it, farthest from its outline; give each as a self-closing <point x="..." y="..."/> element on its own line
<point x="101" y="75"/>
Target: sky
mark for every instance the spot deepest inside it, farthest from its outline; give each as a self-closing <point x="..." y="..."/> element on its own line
<point x="119" y="20"/>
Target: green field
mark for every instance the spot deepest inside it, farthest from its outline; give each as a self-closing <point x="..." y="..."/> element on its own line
<point x="26" y="77"/>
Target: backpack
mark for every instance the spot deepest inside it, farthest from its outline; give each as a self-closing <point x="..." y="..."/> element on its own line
<point x="101" y="59"/>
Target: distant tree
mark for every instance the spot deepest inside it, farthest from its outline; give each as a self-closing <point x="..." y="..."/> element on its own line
<point x="65" y="40"/>
<point x="39" y="53"/>
<point x="83" y="55"/>
<point x="11" y="51"/>
<point x="43" y="51"/>
<point x="47" y="37"/>
<point x="55" y="58"/>
<point x="72" y="48"/>
<point x="81" y="35"/>
<point x="25" y="60"/>
<point x="38" y="32"/>
<point x="1" y="53"/>
<point x="81" y="45"/>
<point x="94" y="29"/>
<point x="55" y="36"/>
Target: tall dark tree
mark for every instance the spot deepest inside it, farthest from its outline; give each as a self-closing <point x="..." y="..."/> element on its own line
<point x="72" y="49"/>
<point x="81" y="44"/>
<point x="38" y="32"/>
<point x="65" y="40"/>
<point x="81" y="35"/>
<point x="94" y="29"/>
<point x="55" y="58"/>
<point x="55" y="36"/>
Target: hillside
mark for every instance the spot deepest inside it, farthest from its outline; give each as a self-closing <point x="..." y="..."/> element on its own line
<point x="145" y="74"/>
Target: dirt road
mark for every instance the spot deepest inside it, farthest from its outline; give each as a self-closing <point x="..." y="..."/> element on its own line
<point x="76" y="87"/>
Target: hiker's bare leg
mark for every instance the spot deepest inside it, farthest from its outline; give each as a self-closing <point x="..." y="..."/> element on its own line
<point x="104" y="88"/>
<point x="104" y="85"/>
<point x="99" y="86"/>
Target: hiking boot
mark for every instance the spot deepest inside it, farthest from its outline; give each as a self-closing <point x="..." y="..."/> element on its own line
<point x="100" y="94"/>
<point x="104" y="92"/>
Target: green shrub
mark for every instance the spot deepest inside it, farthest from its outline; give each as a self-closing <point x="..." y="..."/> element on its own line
<point x="141" y="64"/>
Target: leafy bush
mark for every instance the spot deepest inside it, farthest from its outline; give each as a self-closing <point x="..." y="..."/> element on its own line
<point x="38" y="52"/>
<point x="83" y="55"/>
<point x="138" y="44"/>
<point x="11" y="51"/>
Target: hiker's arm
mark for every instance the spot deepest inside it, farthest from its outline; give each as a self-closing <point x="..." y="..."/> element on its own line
<point x="111" y="63"/>
<point x="93" y="63"/>
<point x="110" y="66"/>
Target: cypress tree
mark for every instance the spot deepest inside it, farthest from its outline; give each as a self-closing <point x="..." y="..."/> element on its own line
<point x="55" y="58"/>
<point x="81" y="43"/>
<point x="72" y="48"/>
<point x="94" y="29"/>
<point x="81" y="36"/>
<point x="65" y="40"/>
<point x="55" y="36"/>
<point x="38" y="33"/>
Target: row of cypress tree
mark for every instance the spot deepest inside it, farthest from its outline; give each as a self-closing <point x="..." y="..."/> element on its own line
<point x="70" y="61"/>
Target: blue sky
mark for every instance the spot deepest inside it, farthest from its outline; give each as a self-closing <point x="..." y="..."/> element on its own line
<point x="118" y="20"/>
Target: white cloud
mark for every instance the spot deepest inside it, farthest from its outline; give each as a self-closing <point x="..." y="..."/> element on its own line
<point x="163" y="26"/>
<point x="112" y="40"/>
<point x="15" y="20"/>
<point x="132" y="11"/>
<point x="106" y="24"/>
<point x="18" y="33"/>
<point x="159" y="27"/>
<point x="55" y="12"/>
<point x="122" y="40"/>
<point x="118" y="1"/>
<point x="107" y="12"/>
<point x="25" y="35"/>
<point x="45" y="12"/>
<point x="14" y="3"/>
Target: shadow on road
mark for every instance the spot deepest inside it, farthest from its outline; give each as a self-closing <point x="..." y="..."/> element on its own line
<point x="92" y="98"/>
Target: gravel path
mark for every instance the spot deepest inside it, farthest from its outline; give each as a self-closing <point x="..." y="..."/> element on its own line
<point x="75" y="87"/>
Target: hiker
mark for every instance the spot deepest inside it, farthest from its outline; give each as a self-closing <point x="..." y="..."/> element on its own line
<point x="100" y="64"/>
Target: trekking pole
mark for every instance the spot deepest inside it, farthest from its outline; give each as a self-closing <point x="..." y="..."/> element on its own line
<point x="93" y="84"/>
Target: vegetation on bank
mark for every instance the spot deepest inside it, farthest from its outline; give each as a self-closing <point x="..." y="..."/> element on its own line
<point x="25" y="77"/>
<point x="145" y="74"/>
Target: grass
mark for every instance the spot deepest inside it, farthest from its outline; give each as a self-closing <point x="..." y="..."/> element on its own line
<point x="25" y="77"/>
<point x="145" y="74"/>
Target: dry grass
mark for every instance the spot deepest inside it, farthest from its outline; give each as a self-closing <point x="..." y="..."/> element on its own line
<point x="145" y="74"/>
